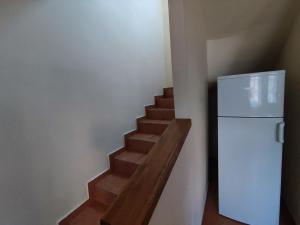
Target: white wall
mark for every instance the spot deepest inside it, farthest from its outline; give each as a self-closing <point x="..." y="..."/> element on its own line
<point x="291" y="173"/>
<point x="183" y="199"/>
<point x="74" y="75"/>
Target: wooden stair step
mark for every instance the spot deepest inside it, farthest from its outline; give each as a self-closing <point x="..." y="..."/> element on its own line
<point x="160" y="113"/>
<point x="162" y="102"/>
<point x="106" y="187"/>
<point x="112" y="183"/>
<point x="132" y="157"/>
<point x="140" y="142"/>
<point x="127" y="162"/>
<point x="168" y="92"/>
<point x="149" y="126"/>
<point x="89" y="213"/>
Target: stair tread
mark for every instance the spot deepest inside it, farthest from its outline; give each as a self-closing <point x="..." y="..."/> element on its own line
<point x="89" y="213"/>
<point x="133" y="157"/>
<point x="112" y="183"/>
<point x="145" y="137"/>
<point x="149" y="121"/>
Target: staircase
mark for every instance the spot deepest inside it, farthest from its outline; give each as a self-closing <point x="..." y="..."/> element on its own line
<point x="107" y="187"/>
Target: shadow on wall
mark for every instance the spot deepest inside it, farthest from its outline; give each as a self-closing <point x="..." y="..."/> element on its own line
<point x="251" y="37"/>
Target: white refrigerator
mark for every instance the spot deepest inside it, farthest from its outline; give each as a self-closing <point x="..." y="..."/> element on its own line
<point x="250" y="141"/>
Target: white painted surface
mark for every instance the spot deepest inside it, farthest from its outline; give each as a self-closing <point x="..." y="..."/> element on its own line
<point x="252" y="95"/>
<point x="183" y="199"/>
<point x="74" y="75"/>
<point x="250" y="158"/>
<point x="291" y="173"/>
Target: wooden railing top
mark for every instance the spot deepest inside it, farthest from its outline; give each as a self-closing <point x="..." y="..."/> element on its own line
<point x="136" y="203"/>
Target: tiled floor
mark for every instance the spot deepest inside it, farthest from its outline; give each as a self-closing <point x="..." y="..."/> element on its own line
<point x="211" y="216"/>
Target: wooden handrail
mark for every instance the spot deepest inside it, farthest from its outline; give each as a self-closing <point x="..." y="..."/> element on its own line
<point x="136" y="203"/>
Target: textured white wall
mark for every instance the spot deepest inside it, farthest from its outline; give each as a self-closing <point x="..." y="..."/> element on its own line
<point x="183" y="198"/>
<point x="291" y="172"/>
<point x="74" y="75"/>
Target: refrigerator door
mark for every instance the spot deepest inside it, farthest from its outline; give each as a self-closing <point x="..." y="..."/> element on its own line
<point x="251" y="95"/>
<point x="250" y="157"/>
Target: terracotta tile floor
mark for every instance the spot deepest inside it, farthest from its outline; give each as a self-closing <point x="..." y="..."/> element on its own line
<point x="212" y="217"/>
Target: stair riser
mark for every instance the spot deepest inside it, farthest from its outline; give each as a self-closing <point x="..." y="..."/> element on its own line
<point x="139" y="146"/>
<point x="160" y="114"/>
<point x="149" y="128"/>
<point x="168" y="92"/>
<point x="123" y="168"/>
<point x="164" y="103"/>
<point x="102" y="196"/>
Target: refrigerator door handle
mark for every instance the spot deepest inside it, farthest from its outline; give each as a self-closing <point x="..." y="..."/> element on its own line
<point x="280" y="132"/>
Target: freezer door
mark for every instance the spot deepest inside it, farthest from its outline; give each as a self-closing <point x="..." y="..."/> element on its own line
<point x="250" y="157"/>
<point x="251" y="95"/>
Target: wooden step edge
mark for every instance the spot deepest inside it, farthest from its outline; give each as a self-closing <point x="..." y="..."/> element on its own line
<point x="154" y="122"/>
<point x="111" y="185"/>
<point x="156" y="127"/>
<point x="134" y="137"/>
<point x="136" y="161"/>
<point x="123" y="167"/>
<point x="138" y="145"/>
